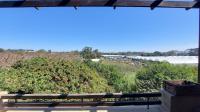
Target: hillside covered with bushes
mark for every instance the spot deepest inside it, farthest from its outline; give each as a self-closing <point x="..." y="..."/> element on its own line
<point x="55" y="75"/>
<point x="42" y="75"/>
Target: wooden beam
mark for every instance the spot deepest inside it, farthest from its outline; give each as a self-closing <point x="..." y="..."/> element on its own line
<point x="199" y="51"/>
<point x="110" y="2"/>
<point x="196" y="3"/>
<point x="63" y="2"/>
<point x="155" y="4"/>
<point x="97" y="3"/>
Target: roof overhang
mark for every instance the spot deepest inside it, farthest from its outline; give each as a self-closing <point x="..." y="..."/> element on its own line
<point x="101" y="3"/>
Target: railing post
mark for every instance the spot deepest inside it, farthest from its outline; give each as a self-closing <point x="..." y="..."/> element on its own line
<point x="2" y="100"/>
<point x="199" y="50"/>
<point x="147" y="103"/>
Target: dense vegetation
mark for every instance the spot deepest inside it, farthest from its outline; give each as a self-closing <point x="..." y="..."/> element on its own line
<point x="151" y="76"/>
<point x="116" y="78"/>
<point x="89" y="53"/>
<point x="58" y="75"/>
<point x="42" y="75"/>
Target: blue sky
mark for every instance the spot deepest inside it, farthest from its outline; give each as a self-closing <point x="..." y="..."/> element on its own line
<point x="123" y="29"/>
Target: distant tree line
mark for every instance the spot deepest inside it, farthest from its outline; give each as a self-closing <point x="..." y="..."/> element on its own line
<point x="23" y="50"/>
<point x="188" y="52"/>
<point x="16" y="50"/>
<point x="90" y="53"/>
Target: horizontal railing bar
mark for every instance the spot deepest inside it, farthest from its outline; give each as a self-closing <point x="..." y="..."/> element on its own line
<point x="78" y="96"/>
<point x="56" y="104"/>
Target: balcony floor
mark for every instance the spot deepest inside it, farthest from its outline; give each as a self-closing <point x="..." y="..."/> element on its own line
<point x="91" y="109"/>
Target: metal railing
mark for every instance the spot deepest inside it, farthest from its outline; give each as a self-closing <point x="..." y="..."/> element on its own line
<point x="63" y="100"/>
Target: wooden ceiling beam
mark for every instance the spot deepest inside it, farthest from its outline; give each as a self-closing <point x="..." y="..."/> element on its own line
<point x="98" y="3"/>
<point x="196" y="3"/>
<point x="110" y="2"/>
<point x="155" y="4"/>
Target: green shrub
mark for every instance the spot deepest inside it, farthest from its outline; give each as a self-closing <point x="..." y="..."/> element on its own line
<point x="42" y="75"/>
<point x="151" y="76"/>
<point x="115" y="78"/>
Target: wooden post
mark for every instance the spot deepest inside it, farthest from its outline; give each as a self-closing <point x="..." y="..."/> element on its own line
<point x="1" y="100"/>
<point x="199" y="51"/>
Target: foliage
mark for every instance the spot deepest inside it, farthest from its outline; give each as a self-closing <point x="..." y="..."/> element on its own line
<point x="2" y="50"/>
<point x="151" y="76"/>
<point x="187" y="52"/>
<point x="41" y="51"/>
<point x="89" y="53"/>
<point x="122" y="66"/>
<point x="128" y="71"/>
<point x="58" y="75"/>
<point x="114" y="76"/>
<point x="42" y="75"/>
<point x="193" y="52"/>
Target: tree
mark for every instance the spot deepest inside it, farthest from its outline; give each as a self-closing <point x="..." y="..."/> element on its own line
<point x="41" y="51"/>
<point x="49" y="51"/>
<point x="171" y="53"/>
<point x="193" y="52"/>
<point x="87" y="53"/>
<point x="157" y="53"/>
<point x="2" y="50"/>
<point x="97" y="53"/>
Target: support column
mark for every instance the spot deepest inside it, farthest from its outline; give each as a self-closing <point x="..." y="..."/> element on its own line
<point x="1" y="100"/>
<point x="199" y="51"/>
